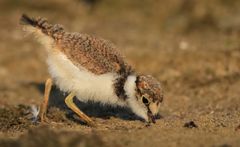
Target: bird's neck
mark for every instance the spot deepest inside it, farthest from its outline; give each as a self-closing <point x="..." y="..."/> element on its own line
<point x="132" y="101"/>
<point x="130" y="86"/>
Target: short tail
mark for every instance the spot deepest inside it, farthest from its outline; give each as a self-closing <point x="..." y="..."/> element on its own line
<point x="26" y="20"/>
<point x="54" y="31"/>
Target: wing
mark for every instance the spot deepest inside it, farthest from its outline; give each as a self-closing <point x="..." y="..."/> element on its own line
<point x="95" y="54"/>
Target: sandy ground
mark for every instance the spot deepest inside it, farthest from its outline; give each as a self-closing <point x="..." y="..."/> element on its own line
<point x="196" y="57"/>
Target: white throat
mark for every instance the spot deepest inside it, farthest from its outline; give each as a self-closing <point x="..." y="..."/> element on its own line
<point x="136" y="105"/>
<point x="130" y="86"/>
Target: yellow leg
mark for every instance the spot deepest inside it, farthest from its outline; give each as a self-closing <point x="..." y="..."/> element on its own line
<point x="73" y="107"/>
<point x="44" y="104"/>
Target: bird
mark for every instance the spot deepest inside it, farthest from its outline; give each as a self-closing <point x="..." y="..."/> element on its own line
<point x="92" y="69"/>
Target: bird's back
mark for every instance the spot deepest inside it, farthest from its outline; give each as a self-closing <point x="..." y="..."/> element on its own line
<point x="95" y="54"/>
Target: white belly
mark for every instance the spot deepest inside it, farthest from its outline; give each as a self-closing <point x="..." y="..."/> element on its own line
<point x="86" y="85"/>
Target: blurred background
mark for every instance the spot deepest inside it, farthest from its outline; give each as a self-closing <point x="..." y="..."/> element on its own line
<point x="191" y="46"/>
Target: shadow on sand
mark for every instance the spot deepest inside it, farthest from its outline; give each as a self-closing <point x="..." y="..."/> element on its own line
<point x="92" y="109"/>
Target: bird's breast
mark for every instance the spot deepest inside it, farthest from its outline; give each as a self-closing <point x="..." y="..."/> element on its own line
<point x="86" y="85"/>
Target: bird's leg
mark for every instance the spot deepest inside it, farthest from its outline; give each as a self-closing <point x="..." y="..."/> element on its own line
<point x="69" y="102"/>
<point x="44" y="104"/>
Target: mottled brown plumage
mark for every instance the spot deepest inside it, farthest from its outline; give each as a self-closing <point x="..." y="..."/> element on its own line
<point x="149" y="86"/>
<point x="95" y="54"/>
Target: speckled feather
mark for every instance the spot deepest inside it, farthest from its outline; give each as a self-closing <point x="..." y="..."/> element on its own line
<point x="97" y="55"/>
<point x="151" y="87"/>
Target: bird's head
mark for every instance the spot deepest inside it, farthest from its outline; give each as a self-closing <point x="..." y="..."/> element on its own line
<point x="148" y="97"/>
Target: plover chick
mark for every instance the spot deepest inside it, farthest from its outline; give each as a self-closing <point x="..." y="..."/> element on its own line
<point x="92" y="69"/>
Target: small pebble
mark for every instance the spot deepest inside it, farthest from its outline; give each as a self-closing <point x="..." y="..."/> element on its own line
<point x="225" y="145"/>
<point x="190" y="124"/>
<point x="237" y="128"/>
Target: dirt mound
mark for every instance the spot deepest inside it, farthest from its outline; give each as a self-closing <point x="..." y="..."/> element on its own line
<point x="15" y="118"/>
<point x="45" y="137"/>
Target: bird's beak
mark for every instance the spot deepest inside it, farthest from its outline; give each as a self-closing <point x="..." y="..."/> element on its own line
<point x="151" y="117"/>
<point x="153" y="110"/>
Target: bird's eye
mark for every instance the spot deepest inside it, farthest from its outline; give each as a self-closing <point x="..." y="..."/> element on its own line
<point x="145" y="100"/>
